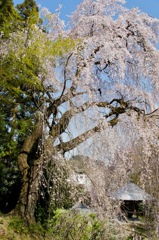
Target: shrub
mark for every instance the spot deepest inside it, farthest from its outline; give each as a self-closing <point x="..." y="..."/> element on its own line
<point x="70" y="225"/>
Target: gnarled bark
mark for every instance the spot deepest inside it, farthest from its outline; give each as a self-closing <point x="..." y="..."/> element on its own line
<point x="25" y="170"/>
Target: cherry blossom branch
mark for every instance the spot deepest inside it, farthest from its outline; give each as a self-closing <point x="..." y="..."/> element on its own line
<point x="67" y="146"/>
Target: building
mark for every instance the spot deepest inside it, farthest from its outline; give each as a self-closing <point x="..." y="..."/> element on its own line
<point x="131" y="196"/>
<point x="79" y="174"/>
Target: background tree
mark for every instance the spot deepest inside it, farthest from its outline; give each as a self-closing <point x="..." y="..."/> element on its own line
<point x="29" y="12"/>
<point x="9" y="18"/>
<point x="23" y="96"/>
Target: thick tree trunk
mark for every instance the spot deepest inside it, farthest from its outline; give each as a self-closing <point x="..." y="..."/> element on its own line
<point x="24" y="170"/>
<point x="31" y="176"/>
<point x="33" y="189"/>
<point x="27" y="173"/>
<point x="34" y="184"/>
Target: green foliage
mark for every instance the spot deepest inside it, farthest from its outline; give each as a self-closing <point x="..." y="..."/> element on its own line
<point x="19" y="68"/>
<point x="19" y="226"/>
<point x="9" y="18"/>
<point x="66" y="224"/>
<point x="28" y="10"/>
<point x="62" y="46"/>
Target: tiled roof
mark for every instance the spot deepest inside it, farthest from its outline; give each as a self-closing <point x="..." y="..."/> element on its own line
<point x="131" y="192"/>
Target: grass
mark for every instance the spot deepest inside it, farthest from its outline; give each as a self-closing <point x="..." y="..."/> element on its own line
<point x="13" y="228"/>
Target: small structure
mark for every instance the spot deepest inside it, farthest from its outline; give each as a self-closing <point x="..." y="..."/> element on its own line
<point x="78" y="165"/>
<point x="132" y="196"/>
<point x="80" y="207"/>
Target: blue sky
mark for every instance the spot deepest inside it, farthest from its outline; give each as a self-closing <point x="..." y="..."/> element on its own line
<point x="149" y="6"/>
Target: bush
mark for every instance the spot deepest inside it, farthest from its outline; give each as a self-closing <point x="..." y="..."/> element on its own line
<point x="69" y="225"/>
<point x="19" y="226"/>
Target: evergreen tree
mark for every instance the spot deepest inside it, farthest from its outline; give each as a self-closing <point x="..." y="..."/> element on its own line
<point x="18" y="74"/>
<point x="9" y="17"/>
<point x="29" y="12"/>
<point x="22" y="94"/>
